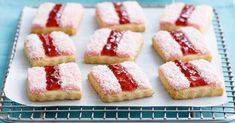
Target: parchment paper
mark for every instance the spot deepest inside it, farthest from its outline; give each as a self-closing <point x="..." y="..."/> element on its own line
<point x="148" y="60"/>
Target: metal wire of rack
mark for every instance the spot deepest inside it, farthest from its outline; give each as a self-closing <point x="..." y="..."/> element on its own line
<point x="12" y="111"/>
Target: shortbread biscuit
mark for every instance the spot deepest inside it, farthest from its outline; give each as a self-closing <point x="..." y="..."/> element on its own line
<point x="185" y="80"/>
<point x="180" y="14"/>
<point x="126" y="15"/>
<point x="108" y="46"/>
<point x="185" y="43"/>
<point x="50" y="83"/>
<point x="58" y="17"/>
<point x="49" y="49"/>
<point x="118" y="82"/>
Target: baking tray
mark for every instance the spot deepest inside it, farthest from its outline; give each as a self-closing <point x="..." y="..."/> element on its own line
<point x="12" y="111"/>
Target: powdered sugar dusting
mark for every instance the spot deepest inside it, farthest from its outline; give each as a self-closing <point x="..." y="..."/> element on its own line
<point x="129" y="44"/>
<point x="135" y="12"/>
<point x="107" y="13"/>
<point x="207" y="72"/>
<point x="138" y="75"/>
<point x="97" y="42"/>
<point x="201" y="16"/>
<point x="34" y="47"/>
<point x="106" y="79"/>
<point x="174" y="76"/>
<point x="71" y="15"/>
<point x="40" y="19"/>
<point x="63" y="43"/>
<point x="196" y="38"/>
<point x="36" y="80"/>
<point x="169" y="47"/>
<point x="170" y="14"/>
<point x="70" y="76"/>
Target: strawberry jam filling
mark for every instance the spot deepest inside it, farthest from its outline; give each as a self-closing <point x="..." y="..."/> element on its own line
<point x="186" y="46"/>
<point x="122" y="13"/>
<point x="124" y="78"/>
<point x="52" y="78"/>
<point x="111" y="46"/>
<point x="49" y="48"/>
<point x="191" y="74"/>
<point x="54" y="16"/>
<point x="184" y="15"/>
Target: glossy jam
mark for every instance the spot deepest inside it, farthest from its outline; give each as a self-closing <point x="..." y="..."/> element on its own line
<point x="184" y="15"/>
<point x="49" y="48"/>
<point x="124" y="78"/>
<point x="54" y="16"/>
<point x="111" y="46"/>
<point x="52" y="77"/>
<point x="122" y="13"/>
<point x="191" y="73"/>
<point x="186" y="46"/>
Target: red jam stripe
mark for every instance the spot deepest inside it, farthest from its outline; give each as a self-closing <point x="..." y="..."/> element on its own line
<point x="186" y="46"/>
<point x="184" y="15"/>
<point x="191" y="74"/>
<point x="52" y="78"/>
<point x="122" y="13"/>
<point x="111" y="46"/>
<point x="124" y="78"/>
<point x="49" y="48"/>
<point x="54" y="16"/>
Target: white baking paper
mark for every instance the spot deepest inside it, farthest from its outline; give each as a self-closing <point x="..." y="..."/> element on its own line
<point x="148" y="60"/>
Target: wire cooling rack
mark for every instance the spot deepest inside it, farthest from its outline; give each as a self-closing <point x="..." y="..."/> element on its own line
<point x="12" y="111"/>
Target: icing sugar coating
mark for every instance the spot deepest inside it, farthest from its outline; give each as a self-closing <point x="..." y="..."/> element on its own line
<point x="63" y="43"/>
<point x="108" y="15"/>
<point x="97" y="42"/>
<point x="71" y="15"/>
<point x="169" y="47"/>
<point x="171" y="14"/>
<point x="138" y="75"/>
<point x="127" y="46"/>
<point x="200" y="16"/>
<point x="196" y="38"/>
<point x="34" y="47"/>
<point x="106" y="79"/>
<point x="174" y="76"/>
<point x="135" y="12"/>
<point x="207" y="72"/>
<point x="43" y="12"/>
<point x="36" y="80"/>
<point x="70" y="76"/>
